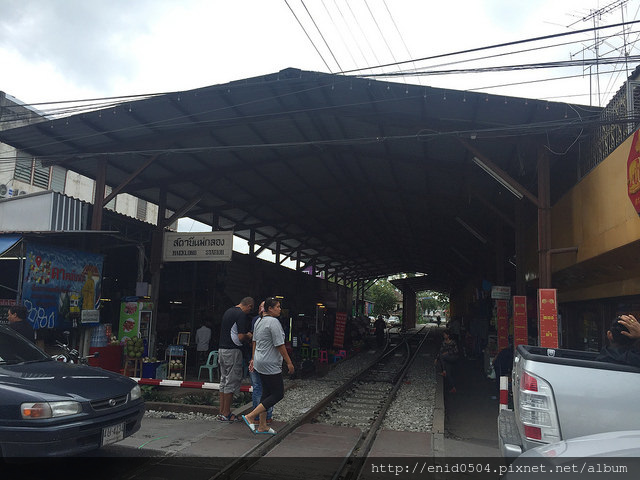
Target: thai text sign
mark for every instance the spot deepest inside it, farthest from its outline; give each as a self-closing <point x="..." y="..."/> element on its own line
<point x="548" y="317"/>
<point x="338" y="334"/>
<point x="201" y="246"/>
<point x="500" y="293"/>
<point x="59" y="284"/>
<point x="520" y="331"/>
<point x="503" y="324"/>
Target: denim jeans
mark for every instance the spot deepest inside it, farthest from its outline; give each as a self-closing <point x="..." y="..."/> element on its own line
<point x="257" y="391"/>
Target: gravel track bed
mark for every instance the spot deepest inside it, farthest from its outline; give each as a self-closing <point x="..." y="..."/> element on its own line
<point x="412" y="409"/>
<point x="414" y="399"/>
<point x="300" y="394"/>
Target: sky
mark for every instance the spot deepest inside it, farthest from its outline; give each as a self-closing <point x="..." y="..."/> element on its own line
<point x="57" y="50"/>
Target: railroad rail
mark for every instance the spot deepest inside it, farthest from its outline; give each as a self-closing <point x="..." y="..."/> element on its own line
<point x="361" y="402"/>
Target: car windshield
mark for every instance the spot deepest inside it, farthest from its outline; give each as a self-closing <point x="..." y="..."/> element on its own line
<point x="15" y="349"/>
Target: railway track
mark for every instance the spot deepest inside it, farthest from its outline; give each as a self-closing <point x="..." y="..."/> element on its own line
<point x="353" y="411"/>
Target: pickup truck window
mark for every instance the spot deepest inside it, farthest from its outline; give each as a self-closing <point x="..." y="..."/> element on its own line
<point x="620" y="355"/>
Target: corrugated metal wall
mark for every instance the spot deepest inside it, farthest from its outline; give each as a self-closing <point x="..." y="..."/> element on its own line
<point x="68" y="213"/>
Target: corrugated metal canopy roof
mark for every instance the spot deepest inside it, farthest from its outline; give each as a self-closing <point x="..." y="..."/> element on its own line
<point x="359" y="176"/>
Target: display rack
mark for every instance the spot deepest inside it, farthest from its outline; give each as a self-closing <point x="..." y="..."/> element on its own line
<point x="176" y="352"/>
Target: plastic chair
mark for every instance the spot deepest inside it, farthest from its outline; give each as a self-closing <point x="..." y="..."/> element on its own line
<point x="314" y="352"/>
<point x="212" y="364"/>
<point x="324" y="358"/>
<point x="304" y="352"/>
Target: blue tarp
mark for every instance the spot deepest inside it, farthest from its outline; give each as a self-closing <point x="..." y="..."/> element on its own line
<point x="8" y="241"/>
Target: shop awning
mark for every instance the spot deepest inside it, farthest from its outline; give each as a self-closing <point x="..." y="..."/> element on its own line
<point x="7" y="242"/>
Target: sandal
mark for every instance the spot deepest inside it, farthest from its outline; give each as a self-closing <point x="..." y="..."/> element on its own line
<point x="251" y="426"/>
<point x="231" y="418"/>
<point x="271" y="431"/>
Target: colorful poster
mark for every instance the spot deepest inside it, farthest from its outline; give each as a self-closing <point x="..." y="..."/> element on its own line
<point x="520" y="330"/>
<point x="503" y="324"/>
<point x="548" y="317"/>
<point x="129" y="319"/>
<point x="338" y="335"/>
<point x="59" y="283"/>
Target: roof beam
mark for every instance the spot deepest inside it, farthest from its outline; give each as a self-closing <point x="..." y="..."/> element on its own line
<point x="500" y="173"/>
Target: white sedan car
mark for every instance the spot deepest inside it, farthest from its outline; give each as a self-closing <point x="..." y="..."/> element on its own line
<point x="393" y="320"/>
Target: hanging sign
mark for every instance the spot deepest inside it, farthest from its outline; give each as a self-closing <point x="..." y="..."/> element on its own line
<point x="195" y="247"/>
<point x="520" y="331"/>
<point x="503" y="324"/>
<point x="548" y="317"/>
<point x="500" y="293"/>
<point x="90" y="317"/>
<point x="633" y="172"/>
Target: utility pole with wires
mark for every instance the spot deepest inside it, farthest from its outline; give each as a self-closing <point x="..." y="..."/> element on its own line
<point x="596" y="16"/>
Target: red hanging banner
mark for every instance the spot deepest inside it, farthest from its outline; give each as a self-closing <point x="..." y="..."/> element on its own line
<point x="520" y="333"/>
<point x="503" y="324"/>
<point x="548" y="317"/>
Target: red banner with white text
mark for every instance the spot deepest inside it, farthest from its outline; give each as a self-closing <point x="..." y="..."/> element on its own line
<point x="338" y="334"/>
<point x="548" y="317"/>
<point x="520" y="331"/>
<point x="503" y="324"/>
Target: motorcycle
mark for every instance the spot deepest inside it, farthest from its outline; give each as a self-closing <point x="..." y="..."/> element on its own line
<point x="71" y="355"/>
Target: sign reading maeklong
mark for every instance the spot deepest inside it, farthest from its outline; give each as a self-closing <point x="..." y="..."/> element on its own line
<point x="202" y="246"/>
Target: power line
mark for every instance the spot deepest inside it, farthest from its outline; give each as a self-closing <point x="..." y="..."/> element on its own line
<point x="363" y="35"/>
<point x="346" y="45"/>
<point x="122" y="99"/>
<point x="355" y="40"/>
<point x="498" y="45"/>
<point x="513" y="67"/>
<point x="380" y="31"/>
<point x="406" y="48"/>
<point x="321" y="35"/>
<point x="307" y="34"/>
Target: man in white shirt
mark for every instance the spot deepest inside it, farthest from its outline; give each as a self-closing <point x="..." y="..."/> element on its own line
<point x="203" y="336"/>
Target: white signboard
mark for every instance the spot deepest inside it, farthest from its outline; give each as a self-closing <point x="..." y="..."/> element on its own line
<point x="202" y="246"/>
<point x="89" y="316"/>
<point x="500" y="293"/>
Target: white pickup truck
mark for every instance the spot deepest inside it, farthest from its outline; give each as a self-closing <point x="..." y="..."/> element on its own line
<point x="561" y="394"/>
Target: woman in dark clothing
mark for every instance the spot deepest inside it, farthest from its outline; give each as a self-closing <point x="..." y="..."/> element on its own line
<point x="447" y="358"/>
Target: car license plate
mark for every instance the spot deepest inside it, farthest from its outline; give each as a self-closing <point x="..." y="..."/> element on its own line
<point x="112" y="434"/>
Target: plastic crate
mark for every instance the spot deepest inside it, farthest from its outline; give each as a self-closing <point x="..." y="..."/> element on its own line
<point x="149" y="369"/>
<point x="161" y="371"/>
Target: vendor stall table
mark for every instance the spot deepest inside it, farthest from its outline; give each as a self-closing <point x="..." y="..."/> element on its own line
<point x="109" y="358"/>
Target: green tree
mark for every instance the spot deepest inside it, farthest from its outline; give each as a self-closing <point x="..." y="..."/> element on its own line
<point x="431" y="300"/>
<point x="383" y="296"/>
